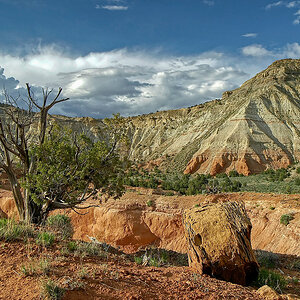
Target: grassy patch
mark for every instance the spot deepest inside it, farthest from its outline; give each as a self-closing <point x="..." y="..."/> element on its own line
<point x="272" y="279"/>
<point x="61" y="224"/>
<point x="160" y="257"/>
<point x="51" y="290"/>
<point x="33" y="268"/>
<point x="45" y="239"/>
<point x="10" y="230"/>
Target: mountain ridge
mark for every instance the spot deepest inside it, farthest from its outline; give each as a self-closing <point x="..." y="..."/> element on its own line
<point x="251" y="128"/>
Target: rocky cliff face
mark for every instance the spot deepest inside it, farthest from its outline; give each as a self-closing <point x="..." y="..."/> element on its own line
<point x="129" y="223"/>
<point x="250" y="129"/>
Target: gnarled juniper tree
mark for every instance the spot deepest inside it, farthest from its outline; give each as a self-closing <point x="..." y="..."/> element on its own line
<point x="50" y="167"/>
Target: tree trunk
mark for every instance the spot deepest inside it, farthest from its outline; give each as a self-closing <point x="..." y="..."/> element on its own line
<point x="33" y="211"/>
<point x="18" y="197"/>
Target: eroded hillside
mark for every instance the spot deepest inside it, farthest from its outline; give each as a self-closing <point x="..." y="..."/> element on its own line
<point x="251" y="128"/>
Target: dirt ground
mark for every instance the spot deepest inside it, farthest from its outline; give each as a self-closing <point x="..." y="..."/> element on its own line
<point x="106" y="277"/>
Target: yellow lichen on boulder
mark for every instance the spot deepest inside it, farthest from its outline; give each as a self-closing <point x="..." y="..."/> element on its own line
<point x="218" y="236"/>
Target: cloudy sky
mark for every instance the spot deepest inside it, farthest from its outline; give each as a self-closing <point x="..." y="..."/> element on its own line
<point x="140" y="56"/>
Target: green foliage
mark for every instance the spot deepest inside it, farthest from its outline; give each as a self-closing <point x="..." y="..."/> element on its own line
<point x="277" y="175"/>
<point x="72" y="246"/>
<point x="160" y="257"/>
<point x="28" y="270"/>
<point x="61" y="224"/>
<point x="52" y="291"/>
<point x="233" y="173"/>
<point x="169" y="193"/>
<point x="221" y="175"/>
<point x="150" y="203"/>
<point x="272" y="279"/>
<point x="298" y="170"/>
<point x="285" y="219"/>
<point x="10" y="230"/>
<point x="72" y="167"/>
<point x="297" y="181"/>
<point x="45" y="239"/>
<point x="268" y="182"/>
<point x="138" y="260"/>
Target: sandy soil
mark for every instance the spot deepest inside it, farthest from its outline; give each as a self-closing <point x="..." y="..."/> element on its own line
<point x="111" y="277"/>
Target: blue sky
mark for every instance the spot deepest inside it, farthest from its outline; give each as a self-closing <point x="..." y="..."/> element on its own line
<point x="139" y="56"/>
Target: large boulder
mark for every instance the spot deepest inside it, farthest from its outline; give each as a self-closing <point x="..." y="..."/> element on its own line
<point x="218" y="236"/>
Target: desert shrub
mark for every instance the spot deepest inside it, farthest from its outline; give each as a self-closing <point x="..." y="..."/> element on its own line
<point x="28" y="269"/>
<point x="160" y="257"/>
<point x="44" y="266"/>
<point x="138" y="260"/>
<point x="298" y="170"/>
<point x="277" y="175"/>
<point x="154" y="262"/>
<point x="169" y="194"/>
<point x="233" y="173"/>
<point x="45" y="239"/>
<point x="87" y="249"/>
<point x="295" y="265"/>
<point x="82" y="272"/>
<point x="221" y="175"/>
<point x="51" y="290"/>
<point x="36" y="267"/>
<point x="72" y="246"/>
<point x="150" y="203"/>
<point x="62" y="224"/>
<point x="10" y="230"/>
<point x="267" y="259"/>
<point x="285" y="219"/>
<point x="272" y="279"/>
<point x="297" y="181"/>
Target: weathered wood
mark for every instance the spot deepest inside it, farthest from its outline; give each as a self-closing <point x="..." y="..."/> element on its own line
<point x="218" y="236"/>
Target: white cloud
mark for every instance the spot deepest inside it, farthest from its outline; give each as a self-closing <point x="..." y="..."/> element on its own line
<point x="291" y="51"/>
<point x="255" y="50"/>
<point x="292" y="4"/>
<point x="287" y="4"/>
<point x="112" y="7"/>
<point x="274" y="4"/>
<point x="297" y="20"/>
<point x="134" y="82"/>
<point x="250" y="35"/>
<point x="209" y="2"/>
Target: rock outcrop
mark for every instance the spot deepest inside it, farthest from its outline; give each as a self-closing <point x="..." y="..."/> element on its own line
<point x="161" y="224"/>
<point x="218" y="236"/>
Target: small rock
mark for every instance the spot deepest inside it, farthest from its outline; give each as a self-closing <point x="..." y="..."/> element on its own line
<point x="268" y="293"/>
